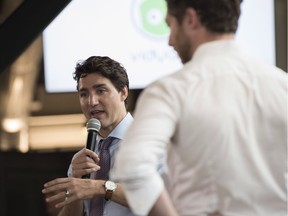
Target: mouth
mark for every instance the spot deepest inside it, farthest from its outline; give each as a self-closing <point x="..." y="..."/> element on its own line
<point x="96" y="113"/>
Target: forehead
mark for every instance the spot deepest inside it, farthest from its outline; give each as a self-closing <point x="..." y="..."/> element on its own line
<point x="170" y="18"/>
<point x="93" y="80"/>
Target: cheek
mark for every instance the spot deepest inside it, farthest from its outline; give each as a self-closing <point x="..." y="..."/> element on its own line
<point x="83" y="104"/>
<point x="170" y="42"/>
<point x="172" y="36"/>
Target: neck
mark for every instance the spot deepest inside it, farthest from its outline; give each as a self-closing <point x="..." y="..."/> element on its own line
<point x="106" y="130"/>
<point x="206" y="37"/>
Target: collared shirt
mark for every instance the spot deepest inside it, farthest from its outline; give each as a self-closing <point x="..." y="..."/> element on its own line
<point x="225" y="115"/>
<point x="111" y="208"/>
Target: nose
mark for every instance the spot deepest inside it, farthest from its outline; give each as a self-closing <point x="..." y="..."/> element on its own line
<point x="93" y="100"/>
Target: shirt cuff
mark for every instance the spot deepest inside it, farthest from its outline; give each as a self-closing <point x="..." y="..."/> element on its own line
<point x="142" y="194"/>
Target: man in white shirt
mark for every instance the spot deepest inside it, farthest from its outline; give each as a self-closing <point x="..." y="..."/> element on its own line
<point x="221" y="119"/>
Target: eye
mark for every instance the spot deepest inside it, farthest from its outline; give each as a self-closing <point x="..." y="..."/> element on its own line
<point x="101" y="91"/>
<point x="83" y="94"/>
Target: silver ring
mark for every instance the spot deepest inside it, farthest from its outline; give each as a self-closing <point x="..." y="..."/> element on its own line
<point x="67" y="193"/>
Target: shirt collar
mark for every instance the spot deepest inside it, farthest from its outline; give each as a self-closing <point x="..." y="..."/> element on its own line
<point x="119" y="131"/>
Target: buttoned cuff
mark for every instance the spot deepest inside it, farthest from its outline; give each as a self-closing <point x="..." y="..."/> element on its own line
<point x="142" y="194"/>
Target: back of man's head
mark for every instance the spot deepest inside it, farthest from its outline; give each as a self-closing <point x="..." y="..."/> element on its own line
<point x="218" y="16"/>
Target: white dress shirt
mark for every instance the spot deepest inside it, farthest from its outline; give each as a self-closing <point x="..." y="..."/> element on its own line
<point x="223" y="121"/>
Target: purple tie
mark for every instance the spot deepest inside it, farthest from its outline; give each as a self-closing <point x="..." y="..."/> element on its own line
<point x="97" y="203"/>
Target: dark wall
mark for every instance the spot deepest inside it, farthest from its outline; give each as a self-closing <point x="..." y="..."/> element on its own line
<point x="22" y="177"/>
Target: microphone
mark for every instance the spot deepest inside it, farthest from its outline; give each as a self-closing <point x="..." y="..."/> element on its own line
<point x="93" y="127"/>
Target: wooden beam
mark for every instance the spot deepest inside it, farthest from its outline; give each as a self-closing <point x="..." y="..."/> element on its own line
<point x="22" y="27"/>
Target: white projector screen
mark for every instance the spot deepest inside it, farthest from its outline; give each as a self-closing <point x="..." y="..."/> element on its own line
<point x="134" y="33"/>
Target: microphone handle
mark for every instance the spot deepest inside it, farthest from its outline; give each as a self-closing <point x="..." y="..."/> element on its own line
<point x="90" y="144"/>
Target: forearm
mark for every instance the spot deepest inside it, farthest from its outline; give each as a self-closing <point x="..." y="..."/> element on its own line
<point x="118" y="195"/>
<point x="163" y="206"/>
<point x="73" y="209"/>
<point x="79" y="190"/>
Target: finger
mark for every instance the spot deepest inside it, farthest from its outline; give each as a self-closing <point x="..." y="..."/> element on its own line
<point x="60" y="200"/>
<point x="84" y="167"/>
<point x="91" y="158"/>
<point x="64" y="202"/>
<point x="61" y="185"/>
<point x="87" y="164"/>
<point x="53" y="189"/>
<point x="88" y="152"/>
<point x="91" y="154"/>
<point x="58" y="196"/>
<point x="80" y="172"/>
<point x="56" y="181"/>
<point x="95" y="157"/>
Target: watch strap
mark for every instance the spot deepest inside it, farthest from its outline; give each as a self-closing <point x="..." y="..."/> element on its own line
<point x="108" y="195"/>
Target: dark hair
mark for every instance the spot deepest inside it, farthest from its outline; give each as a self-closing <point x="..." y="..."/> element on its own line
<point x="218" y="16"/>
<point x="106" y="67"/>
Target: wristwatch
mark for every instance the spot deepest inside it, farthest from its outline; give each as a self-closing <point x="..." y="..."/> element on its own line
<point x="110" y="187"/>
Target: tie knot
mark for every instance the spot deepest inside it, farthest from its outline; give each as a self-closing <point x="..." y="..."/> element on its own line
<point x="105" y="143"/>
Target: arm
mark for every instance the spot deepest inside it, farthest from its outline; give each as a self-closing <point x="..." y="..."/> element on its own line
<point x="80" y="165"/>
<point x="79" y="189"/>
<point x="163" y="206"/>
<point x="119" y="196"/>
<point x="142" y="149"/>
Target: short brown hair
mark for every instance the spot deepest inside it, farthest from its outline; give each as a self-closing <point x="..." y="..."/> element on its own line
<point x="106" y="67"/>
<point x="218" y="16"/>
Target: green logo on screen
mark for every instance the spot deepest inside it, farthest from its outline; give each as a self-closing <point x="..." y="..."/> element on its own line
<point x="149" y="16"/>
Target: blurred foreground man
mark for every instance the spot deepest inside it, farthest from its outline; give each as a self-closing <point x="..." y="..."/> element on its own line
<point x="221" y="119"/>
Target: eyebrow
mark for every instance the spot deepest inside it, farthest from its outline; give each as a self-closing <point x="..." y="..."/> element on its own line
<point x="94" y="87"/>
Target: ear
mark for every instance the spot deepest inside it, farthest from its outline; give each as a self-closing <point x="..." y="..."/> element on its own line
<point x="124" y="93"/>
<point x="191" y="18"/>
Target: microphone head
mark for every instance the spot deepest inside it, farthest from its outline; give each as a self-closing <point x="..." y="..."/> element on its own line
<point x="93" y="124"/>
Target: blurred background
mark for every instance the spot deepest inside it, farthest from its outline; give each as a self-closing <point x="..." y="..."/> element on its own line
<point x="41" y="130"/>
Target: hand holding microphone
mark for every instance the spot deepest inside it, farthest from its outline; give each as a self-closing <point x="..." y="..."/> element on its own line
<point x="93" y="127"/>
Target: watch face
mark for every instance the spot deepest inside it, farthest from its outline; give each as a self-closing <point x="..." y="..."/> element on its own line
<point x="110" y="185"/>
